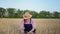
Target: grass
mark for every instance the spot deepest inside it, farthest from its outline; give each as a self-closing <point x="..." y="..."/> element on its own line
<point x="44" y="26"/>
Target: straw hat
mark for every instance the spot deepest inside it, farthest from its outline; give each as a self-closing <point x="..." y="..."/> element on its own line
<point x="27" y="15"/>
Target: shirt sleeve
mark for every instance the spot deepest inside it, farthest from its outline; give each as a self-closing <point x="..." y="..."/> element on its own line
<point x="33" y="24"/>
<point x="21" y="26"/>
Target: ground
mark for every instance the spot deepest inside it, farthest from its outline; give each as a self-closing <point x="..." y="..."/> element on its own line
<point x="43" y="26"/>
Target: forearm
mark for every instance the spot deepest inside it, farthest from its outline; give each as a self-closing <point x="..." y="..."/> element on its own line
<point x="32" y="30"/>
<point x="22" y="31"/>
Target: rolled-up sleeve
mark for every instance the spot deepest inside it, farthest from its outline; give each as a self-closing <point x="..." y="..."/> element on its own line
<point x="21" y="26"/>
<point x="34" y="24"/>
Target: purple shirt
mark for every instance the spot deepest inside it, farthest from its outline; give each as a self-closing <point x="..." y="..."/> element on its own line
<point x="22" y="24"/>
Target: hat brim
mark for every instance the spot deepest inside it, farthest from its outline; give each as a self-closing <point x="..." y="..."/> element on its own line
<point x="27" y="17"/>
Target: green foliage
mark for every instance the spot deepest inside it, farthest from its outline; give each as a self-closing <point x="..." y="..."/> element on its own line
<point x="56" y="14"/>
<point x="2" y="12"/>
<point x="44" y="14"/>
<point x="19" y="12"/>
<point x="34" y="14"/>
<point x="13" y="13"/>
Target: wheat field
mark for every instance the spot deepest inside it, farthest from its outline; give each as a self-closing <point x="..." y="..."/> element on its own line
<point x="43" y="26"/>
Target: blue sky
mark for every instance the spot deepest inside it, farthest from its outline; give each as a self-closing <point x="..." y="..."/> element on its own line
<point x="37" y="5"/>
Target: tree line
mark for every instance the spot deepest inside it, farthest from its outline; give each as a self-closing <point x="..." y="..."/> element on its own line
<point x="17" y="13"/>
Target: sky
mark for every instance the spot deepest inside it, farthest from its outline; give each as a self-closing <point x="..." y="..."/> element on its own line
<point x="36" y="5"/>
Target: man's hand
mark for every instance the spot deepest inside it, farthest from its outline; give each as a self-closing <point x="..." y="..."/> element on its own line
<point x="30" y="32"/>
<point x="22" y="32"/>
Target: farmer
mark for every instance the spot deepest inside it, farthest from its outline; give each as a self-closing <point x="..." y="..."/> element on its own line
<point x="27" y="25"/>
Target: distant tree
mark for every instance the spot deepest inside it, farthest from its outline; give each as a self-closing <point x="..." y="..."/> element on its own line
<point x="11" y="12"/>
<point x="59" y="14"/>
<point x="34" y="14"/>
<point x="43" y="14"/>
<point x="2" y="12"/>
<point x="56" y="14"/>
<point x="48" y="14"/>
<point x="19" y="13"/>
<point x="51" y="15"/>
<point x="16" y="15"/>
<point x="26" y="11"/>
